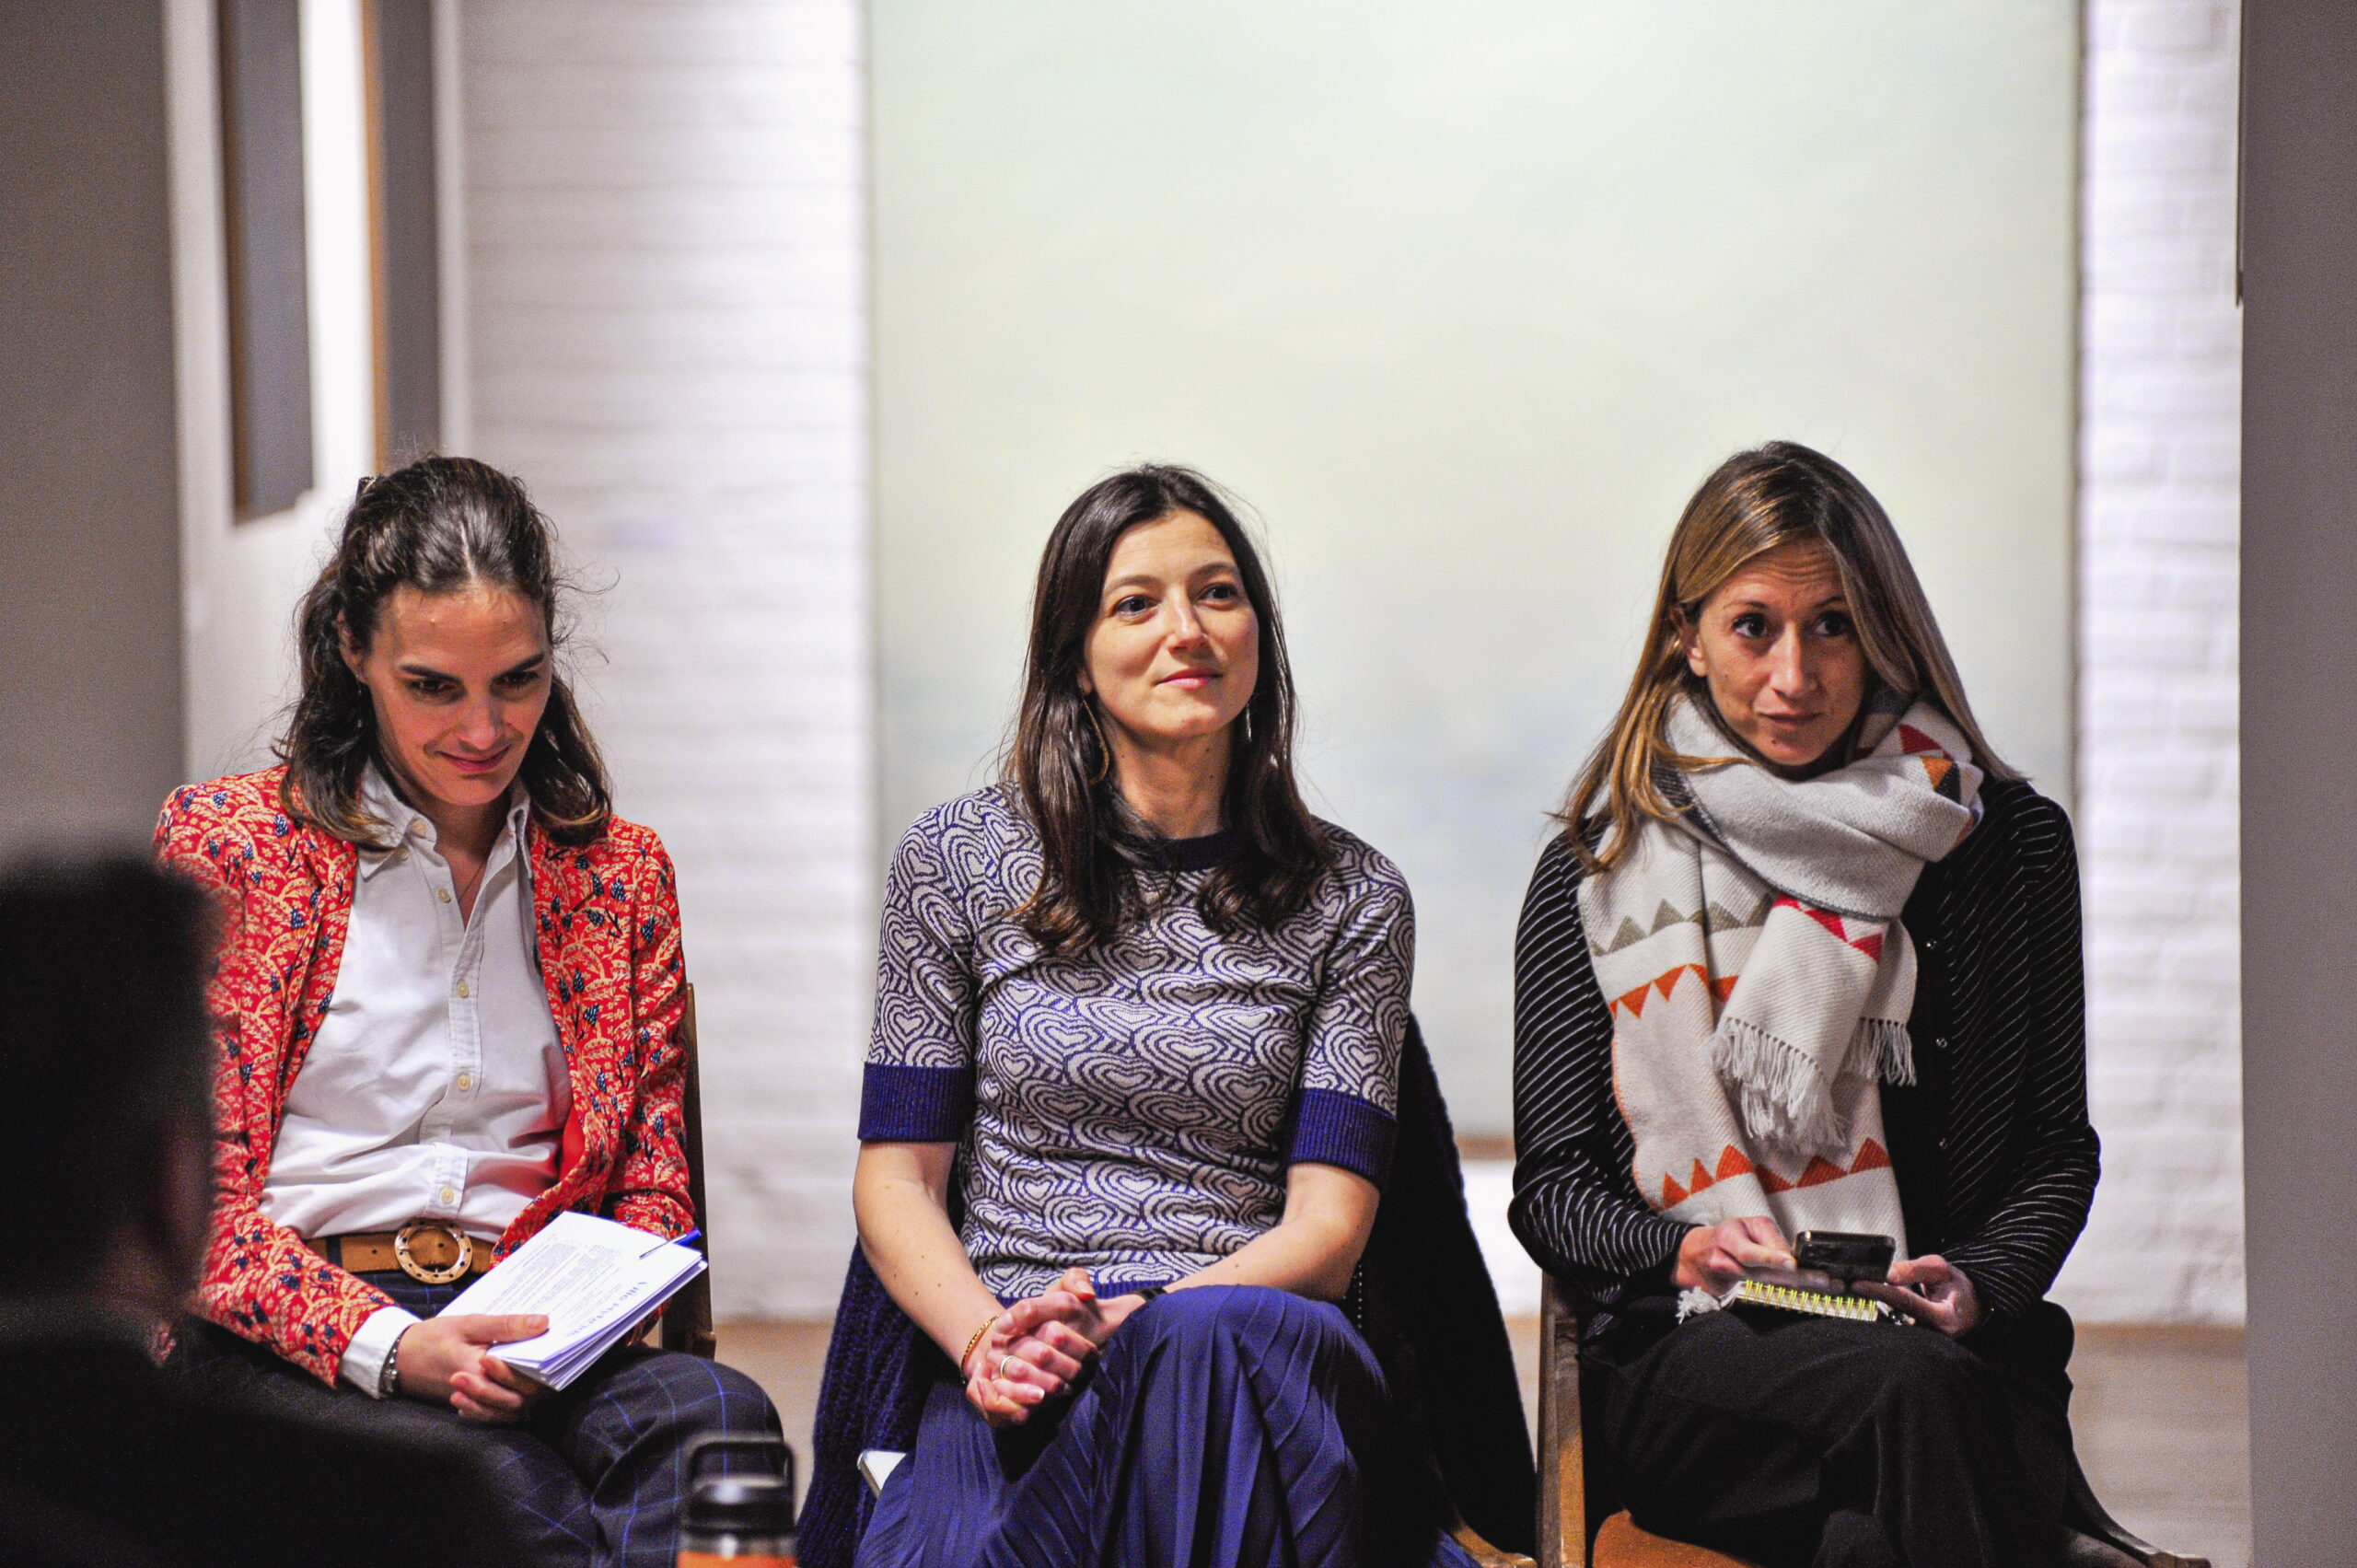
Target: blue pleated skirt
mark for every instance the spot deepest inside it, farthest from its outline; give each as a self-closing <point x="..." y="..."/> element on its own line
<point x="1230" y="1426"/>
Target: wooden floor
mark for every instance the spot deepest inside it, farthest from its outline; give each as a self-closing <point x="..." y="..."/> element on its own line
<point x="2160" y="1415"/>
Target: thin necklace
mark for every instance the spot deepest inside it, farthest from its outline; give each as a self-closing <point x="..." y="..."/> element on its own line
<point x="467" y="891"/>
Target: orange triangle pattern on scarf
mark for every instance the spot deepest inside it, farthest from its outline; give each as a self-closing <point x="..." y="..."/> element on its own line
<point x="1872" y="1156"/>
<point x="1634" y="1001"/>
<point x="1820" y="1171"/>
<point x="1870" y="945"/>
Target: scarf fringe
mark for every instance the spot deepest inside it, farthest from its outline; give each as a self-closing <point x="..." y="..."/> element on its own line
<point x="1885" y="1050"/>
<point x="1786" y="1105"/>
<point x="1783" y="1101"/>
<point x="1693" y="1300"/>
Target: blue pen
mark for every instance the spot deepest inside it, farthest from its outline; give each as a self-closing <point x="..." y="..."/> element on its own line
<point x="680" y="1241"/>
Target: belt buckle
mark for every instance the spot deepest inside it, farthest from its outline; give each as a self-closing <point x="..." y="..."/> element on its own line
<point x="430" y="1273"/>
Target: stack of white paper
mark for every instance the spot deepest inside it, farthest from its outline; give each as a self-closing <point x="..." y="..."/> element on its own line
<point x="595" y="1281"/>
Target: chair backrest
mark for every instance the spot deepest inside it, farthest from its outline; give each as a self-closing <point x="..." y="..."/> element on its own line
<point x="687" y="1320"/>
<point x="1429" y="1310"/>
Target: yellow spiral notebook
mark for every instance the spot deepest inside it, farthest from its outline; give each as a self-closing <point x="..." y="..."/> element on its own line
<point x="1792" y="1299"/>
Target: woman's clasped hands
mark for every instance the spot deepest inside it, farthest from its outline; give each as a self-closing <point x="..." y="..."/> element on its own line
<point x="1037" y="1349"/>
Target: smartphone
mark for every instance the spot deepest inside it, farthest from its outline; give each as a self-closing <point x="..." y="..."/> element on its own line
<point x="1845" y="1255"/>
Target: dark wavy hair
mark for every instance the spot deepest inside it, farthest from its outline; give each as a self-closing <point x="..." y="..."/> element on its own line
<point x="1097" y="855"/>
<point x="438" y="525"/>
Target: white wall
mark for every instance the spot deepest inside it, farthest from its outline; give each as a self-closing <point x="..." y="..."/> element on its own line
<point x="667" y="340"/>
<point x="1466" y="298"/>
<point x="2158" y="770"/>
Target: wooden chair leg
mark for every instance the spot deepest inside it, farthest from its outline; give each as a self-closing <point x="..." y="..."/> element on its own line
<point x="1563" y="1451"/>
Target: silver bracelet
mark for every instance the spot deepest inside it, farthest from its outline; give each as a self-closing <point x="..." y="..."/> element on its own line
<point x="389" y="1381"/>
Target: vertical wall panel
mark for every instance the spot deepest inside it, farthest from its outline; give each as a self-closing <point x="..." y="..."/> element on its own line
<point x="89" y="560"/>
<point x="2299" y="729"/>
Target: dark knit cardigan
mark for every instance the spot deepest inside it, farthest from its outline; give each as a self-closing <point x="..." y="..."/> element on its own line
<point x="1996" y="1158"/>
<point x="1424" y="1300"/>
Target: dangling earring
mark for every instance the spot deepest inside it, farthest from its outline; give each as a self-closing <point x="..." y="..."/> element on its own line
<point x="1104" y="746"/>
<point x="1248" y="726"/>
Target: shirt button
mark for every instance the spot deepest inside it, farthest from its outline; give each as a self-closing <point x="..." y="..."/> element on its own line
<point x="449" y="1194"/>
<point x="1940" y="1040"/>
<point x="466" y="1082"/>
<point x="417" y="824"/>
<point x="443" y="894"/>
<point x="462" y="989"/>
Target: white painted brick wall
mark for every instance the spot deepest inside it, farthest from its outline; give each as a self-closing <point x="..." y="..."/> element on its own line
<point x="665" y="217"/>
<point x="2158" y="770"/>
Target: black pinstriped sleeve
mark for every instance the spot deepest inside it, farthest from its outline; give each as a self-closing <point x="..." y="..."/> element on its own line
<point x="2023" y="1157"/>
<point x="1575" y="1207"/>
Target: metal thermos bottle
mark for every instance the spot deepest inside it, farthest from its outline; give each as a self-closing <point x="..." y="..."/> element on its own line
<point x="739" y="1520"/>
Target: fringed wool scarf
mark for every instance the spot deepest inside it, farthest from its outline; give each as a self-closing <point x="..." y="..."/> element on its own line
<point x="1760" y="978"/>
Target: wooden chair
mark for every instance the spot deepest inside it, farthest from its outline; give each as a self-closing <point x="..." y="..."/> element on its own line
<point x="1573" y="1493"/>
<point x="687" y="1319"/>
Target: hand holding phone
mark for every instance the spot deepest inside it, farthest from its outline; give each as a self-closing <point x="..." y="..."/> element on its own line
<point x="1845" y="1255"/>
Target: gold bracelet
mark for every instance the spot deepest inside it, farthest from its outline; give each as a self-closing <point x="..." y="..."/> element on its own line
<point x="964" y="1355"/>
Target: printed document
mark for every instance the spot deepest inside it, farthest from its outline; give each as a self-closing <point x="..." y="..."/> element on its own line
<point x="594" y="1280"/>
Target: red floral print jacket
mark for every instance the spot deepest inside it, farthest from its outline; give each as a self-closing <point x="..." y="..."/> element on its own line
<point x="608" y="914"/>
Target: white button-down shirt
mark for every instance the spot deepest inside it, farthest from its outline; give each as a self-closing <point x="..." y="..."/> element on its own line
<point x="437" y="1087"/>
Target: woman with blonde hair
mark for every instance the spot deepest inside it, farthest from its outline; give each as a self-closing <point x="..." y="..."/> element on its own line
<point x="1807" y="956"/>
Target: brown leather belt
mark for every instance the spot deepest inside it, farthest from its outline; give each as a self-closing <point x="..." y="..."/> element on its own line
<point x="426" y="1251"/>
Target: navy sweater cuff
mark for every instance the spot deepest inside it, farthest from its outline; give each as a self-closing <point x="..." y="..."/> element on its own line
<point x="915" y="1105"/>
<point x="1338" y="1128"/>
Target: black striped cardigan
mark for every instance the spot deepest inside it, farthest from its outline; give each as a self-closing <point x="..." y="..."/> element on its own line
<point x="1996" y="1157"/>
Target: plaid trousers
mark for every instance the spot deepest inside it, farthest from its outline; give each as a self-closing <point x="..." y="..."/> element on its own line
<point x="593" y="1478"/>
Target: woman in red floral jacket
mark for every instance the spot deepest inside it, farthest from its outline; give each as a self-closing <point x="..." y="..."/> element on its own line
<point x="448" y="1006"/>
